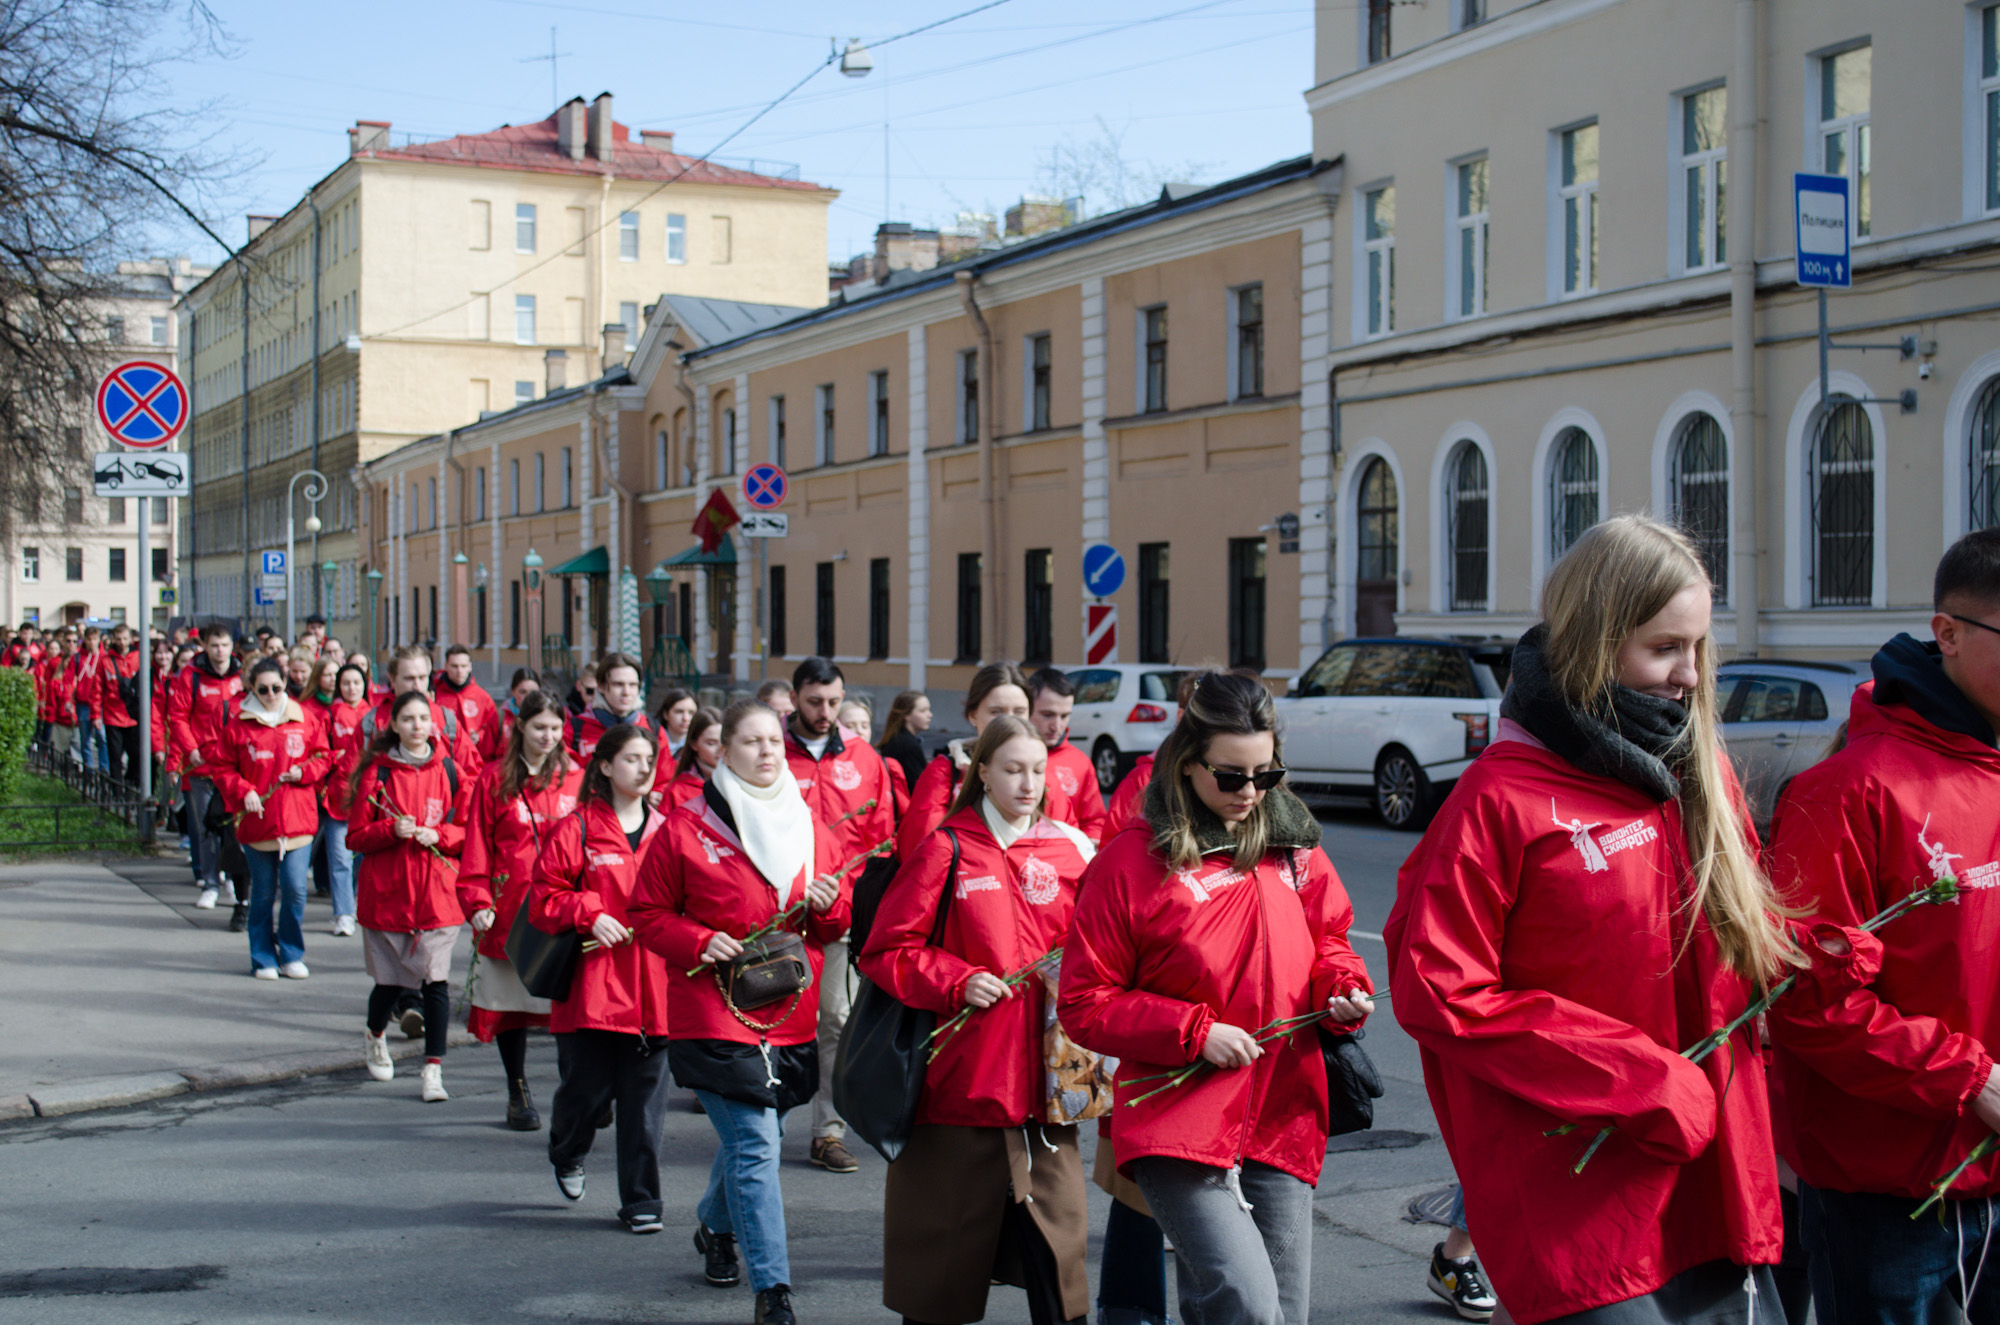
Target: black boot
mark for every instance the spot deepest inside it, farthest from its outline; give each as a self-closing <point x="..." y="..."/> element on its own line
<point x="521" y="1115"/>
<point x="718" y="1257"/>
<point x="774" y="1307"/>
<point x="239" y="918"/>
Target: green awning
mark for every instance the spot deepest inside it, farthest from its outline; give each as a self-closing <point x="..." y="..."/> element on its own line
<point x="594" y="562"/>
<point x="724" y="555"/>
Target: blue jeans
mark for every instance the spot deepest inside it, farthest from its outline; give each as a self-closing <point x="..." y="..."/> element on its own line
<point x="89" y="741"/>
<point x="1874" y="1265"/>
<point x="279" y="883"/>
<point x="340" y="867"/>
<point x="743" y="1197"/>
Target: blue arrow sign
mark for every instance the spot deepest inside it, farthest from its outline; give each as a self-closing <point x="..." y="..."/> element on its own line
<point x="1103" y="570"/>
<point x="765" y="486"/>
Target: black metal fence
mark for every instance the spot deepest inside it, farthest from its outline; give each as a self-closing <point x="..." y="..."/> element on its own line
<point x="110" y="814"/>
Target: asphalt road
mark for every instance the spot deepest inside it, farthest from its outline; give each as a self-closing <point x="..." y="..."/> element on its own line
<point x="341" y="1199"/>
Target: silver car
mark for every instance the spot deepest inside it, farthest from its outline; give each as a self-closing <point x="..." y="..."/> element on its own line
<point x="1779" y="718"/>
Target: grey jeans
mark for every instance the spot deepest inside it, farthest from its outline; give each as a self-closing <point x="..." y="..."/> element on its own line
<point x="834" y="1001"/>
<point x="1233" y="1266"/>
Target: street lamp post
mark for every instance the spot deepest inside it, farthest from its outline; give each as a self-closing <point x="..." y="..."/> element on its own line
<point x="329" y="576"/>
<point x="659" y="585"/>
<point x="531" y="568"/>
<point x="315" y="491"/>
<point x="461" y="613"/>
<point x="374" y="578"/>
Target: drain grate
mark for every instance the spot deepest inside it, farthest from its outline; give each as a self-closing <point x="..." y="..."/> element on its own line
<point x="84" y="1280"/>
<point x="1384" y="1140"/>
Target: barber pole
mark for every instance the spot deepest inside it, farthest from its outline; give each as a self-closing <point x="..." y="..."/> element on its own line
<point x="1100" y="633"/>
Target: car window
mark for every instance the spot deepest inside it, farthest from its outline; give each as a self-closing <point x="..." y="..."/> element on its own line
<point x="1411" y="671"/>
<point x="1725" y="695"/>
<point x="1161" y="687"/>
<point x="1812" y="704"/>
<point x="1767" y="699"/>
<point x="1095" y="686"/>
<point x="1329" y="674"/>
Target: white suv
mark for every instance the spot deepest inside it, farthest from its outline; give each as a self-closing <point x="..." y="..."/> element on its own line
<point x="1123" y="710"/>
<point x="1780" y="718"/>
<point x="1399" y="719"/>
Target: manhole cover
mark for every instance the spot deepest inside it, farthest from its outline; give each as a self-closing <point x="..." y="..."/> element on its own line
<point x="1375" y="1141"/>
<point x="81" y="1281"/>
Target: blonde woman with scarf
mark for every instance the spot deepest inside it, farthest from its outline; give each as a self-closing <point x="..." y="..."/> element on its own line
<point x="743" y="855"/>
<point x="267" y="762"/>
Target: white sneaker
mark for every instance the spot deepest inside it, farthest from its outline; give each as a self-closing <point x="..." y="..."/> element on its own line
<point x="228" y="893"/>
<point x="294" y="971"/>
<point x="343" y="927"/>
<point x="433" y="1080"/>
<point x="380" y="1065"/>
<point x="205" y="902"/>
<point x="264" y="973"/>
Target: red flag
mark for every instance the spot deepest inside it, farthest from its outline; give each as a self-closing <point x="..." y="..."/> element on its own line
<point x="716" y="518"/>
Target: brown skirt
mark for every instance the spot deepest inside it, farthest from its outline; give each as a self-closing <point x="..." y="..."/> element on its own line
<point x="942" y="1211"/>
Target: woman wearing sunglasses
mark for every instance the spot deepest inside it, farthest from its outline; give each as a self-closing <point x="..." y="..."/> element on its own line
<point x="267" y="763"/>
<point x="1192" y="940"/>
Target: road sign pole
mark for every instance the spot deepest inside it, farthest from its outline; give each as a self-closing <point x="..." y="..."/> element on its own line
<point x="145" y="672"/>
<point x="1822" y="355"/>
<point x="764" y="609"/>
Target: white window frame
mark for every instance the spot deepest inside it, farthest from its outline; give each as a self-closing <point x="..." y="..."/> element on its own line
<point x="1365" y="251"/>
<point x="1713" y="164"/>
<point x="524" y="397"/>
<point x="31" y="565"/>
<point x="775" y="414"/>
<point x="524" y="215"/>
<point x="524" y="304"/>
<point x="660" y="459"/>
<point x="1980" y="182"/>
<point x="629" y="315"/>
<point x="1818" y="130"/>
<point x="1456" y="230"/>
<point x="1560" y="196"/>
<point x="823" y="401"/>
<point x="1465" y="15"/>
<point x="628" y="236"/>
<point x="677" y="239"/>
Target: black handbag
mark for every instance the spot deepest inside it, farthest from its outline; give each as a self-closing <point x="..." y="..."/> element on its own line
<point x="878" y="1070"/>
<point x="545" y="962"/>
<point x="1352" y="1083"/>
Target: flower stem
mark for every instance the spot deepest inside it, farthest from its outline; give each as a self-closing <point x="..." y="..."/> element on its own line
<point x="1943" y="1185"/>
<point x="939" y="1035"/>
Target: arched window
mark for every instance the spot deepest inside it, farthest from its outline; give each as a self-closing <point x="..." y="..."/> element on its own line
<point x="1573" y="500"/>
<point x="1842" y="483"/>
<point x="1467" y="520"/>
<point x="1698" y="469"/>
<point x="1376" y="544"/>
<point x="662" y="448"/>
<point x="1982" y="456"/>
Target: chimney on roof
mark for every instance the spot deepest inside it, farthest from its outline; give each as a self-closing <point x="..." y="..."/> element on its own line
<point x="899" y="246"/>
<point x="1037" y="216"/>
<point x="614" y="345"/>
<point x="571" y="127"/>
<point x="659" y="139"/>
<point x="600" y="127"/>
<point x="555" y="367"/>
<point x="259" y="224"/>
<point x="367" y="136"/>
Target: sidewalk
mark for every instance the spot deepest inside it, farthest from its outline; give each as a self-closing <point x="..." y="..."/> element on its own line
<point x="116" y="990"/>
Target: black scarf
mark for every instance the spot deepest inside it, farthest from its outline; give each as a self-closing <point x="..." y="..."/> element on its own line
<point x="1635" y="746"/>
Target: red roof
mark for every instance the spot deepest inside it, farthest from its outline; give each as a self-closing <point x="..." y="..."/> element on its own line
<point x="534" y="147"/>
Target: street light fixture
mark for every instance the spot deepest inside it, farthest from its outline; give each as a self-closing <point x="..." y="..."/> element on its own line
<point x="855" y="61"/>
<point x="531" y="571"/>
<point x="374" y="578"/>
<point x="315" y="492"/>
<point x="329" y="572"/>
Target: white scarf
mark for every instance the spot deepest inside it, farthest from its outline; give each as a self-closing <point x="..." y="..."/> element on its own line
<point x="996" y="823"/>
<point x="772" y="823"/>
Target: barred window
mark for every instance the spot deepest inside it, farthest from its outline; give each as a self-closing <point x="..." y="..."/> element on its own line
<point x="1467" y="521"/>
<point x="1843" y="507"/>
<point x="1982" y="455"/>
<point x="1699" y="471"/>
<point x="1573" y="489"/>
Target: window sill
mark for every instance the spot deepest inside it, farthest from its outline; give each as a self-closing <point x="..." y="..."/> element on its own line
<point x="1245" y="405"/>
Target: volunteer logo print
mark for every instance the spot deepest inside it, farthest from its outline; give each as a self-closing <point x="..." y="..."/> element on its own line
<point x="1066" y="780"/>
<point x="1040" y="883"/>
<point x="295" y="745"/>
<point x="1580" y="838"/>
<point x="845" y="775"/>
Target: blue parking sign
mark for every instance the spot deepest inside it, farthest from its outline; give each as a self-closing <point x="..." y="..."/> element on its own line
<point x="1823" y="230"/>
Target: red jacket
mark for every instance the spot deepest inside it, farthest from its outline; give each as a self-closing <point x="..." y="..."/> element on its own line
<point x="84" y="666"/>
<point x="1008" y="908"/>
<point x="1877" y="1086"/>
<point x="1128" y="802"/>
<point x="58" y="691"/>
<point x="587" y="870"/>
<point x="343" y="738"/>
<point x="156" y="717"/>
<point x="444" y="725"/>
<point x="476" y="713"/>
<point x="1540" y="956"/>
<point x="931" y="799"/>
<point x="110" y="707"/>
<point x="400" y="886"/>
<point x="695" y="882"/>
<point x="197" y="706"/>
<point x="847" y="775"/>
<point x="1071" y="771"/>
<point x="502" y="839"/>
<point x="676" y="791"/>
<point x="582" y="731"/>
<point x="1156" y="956"/>
<point x="249" y="756"/>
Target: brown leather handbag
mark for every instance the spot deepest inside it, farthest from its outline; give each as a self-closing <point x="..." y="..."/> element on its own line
<point x="768" y="970"/>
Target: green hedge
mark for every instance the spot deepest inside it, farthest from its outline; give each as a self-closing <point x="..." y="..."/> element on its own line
<point x="17" y="729"/>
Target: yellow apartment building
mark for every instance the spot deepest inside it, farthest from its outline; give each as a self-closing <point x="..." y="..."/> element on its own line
<point x="421" y="285"/>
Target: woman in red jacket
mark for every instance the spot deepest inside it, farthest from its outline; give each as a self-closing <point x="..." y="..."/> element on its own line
<point x="268" y="762"/>
<point x="606" y="1029"/>
<point x="1191" y="941"/>
<point x="682" y="778"/>
<point x="741" y="856"/>
<point x="953" y="1218"/>
<point x="516" y="805"/>
<point x="1587" y="904"/>
<point x="406" y="821"/>
<point x="343" y="736"/>
<point x="996" y="688"/>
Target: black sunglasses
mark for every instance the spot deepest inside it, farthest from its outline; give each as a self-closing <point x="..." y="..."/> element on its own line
<point x="1233" y="782"/>
<point x="1970" y="622"/>
<point x="270" y="690"/>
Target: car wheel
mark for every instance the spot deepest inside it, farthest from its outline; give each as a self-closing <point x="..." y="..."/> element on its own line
<point x="1403" y="794"/>
<point x="1109" y="763"/>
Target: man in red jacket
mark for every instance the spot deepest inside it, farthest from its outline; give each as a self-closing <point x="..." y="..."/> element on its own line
<point x="58" y="693"/>
<point x="621" y="699"/>
<point x="197" y="707"/>
<point x="121" y="720"/>
<point x="1051" y="699"/>
<point x="838" y="773"/>
<point x="1887" y="1088"/>
<point x="410" y="669"/>
<point x="458" y="694"/>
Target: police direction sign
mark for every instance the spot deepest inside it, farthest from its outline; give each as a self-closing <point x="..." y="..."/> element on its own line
<point x="1823" y="236"/>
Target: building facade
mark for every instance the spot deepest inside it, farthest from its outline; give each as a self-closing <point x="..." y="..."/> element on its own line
<point x="420" y="286"/>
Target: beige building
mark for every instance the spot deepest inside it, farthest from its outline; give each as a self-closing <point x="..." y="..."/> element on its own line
<point x="421" y="285"/>
<point x="81" y="561"/>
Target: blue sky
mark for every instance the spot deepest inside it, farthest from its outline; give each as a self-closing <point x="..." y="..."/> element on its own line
<point x="975" y="110"/>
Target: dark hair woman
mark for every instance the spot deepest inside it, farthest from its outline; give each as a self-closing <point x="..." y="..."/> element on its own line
<point x="952" y="1210"/>
<point x="1190" y="942"/>
<point x="584" y="881"/>
<point x="516" y="804"/>
<point x="742" y="856"/>
<point x="407" y="823"/>
<point x="677" y="709"/>
<point x="683" y="779"/>
<point x="526" y="681"/>
<point x="350" y="704"/>
<point x="997" y="688"/>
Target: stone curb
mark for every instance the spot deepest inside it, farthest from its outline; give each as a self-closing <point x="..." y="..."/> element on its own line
<point x="139" y="1087"/>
